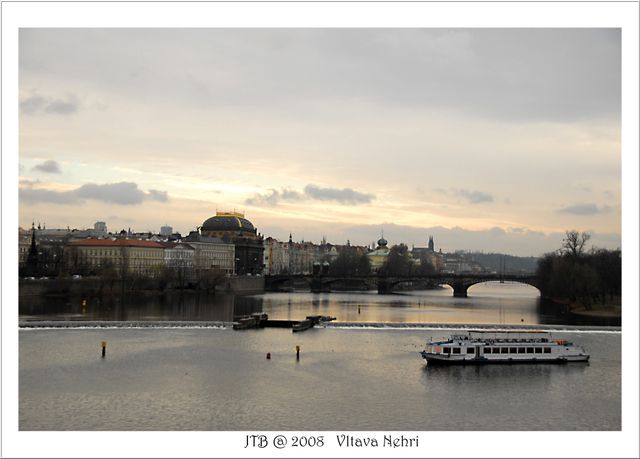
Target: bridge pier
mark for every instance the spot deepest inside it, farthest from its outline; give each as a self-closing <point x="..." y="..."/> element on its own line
<point x="460" y="290"/>
<point x="383" y="286"/>
<point x="316" y="284"/>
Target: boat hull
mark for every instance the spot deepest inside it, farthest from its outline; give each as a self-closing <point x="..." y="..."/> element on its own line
<point x="443" y="360"/>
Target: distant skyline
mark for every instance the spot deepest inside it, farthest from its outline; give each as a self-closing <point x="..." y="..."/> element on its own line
<point x="488" y="139"/>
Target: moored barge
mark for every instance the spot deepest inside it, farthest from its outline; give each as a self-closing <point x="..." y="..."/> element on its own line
<point x="503" y="346"/>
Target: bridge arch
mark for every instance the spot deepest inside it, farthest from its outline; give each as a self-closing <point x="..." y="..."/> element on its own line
<point x="461" y="286"/>
<point x="531" y="285"/>
<point x="460" y="283"/>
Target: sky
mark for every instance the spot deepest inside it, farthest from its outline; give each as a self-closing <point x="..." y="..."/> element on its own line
<point x="496" y="140"/>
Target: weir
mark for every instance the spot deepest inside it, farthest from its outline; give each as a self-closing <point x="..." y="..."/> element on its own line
<point x="261" y="320"/>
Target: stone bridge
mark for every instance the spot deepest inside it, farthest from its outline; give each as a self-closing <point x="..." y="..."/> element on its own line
<point x="460" y="283"/>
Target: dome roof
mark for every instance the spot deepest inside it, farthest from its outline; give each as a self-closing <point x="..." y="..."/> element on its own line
<point x="382" y="242"/>
<point x="227" y="223"/>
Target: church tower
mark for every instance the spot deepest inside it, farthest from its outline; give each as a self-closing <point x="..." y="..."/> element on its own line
<point x="431" y="244"/>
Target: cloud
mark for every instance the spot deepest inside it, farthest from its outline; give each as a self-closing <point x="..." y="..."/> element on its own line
<point x="472" y="196"/>
<point x="123" y="193"/>
<point x="40" y="195"/>
<point x="37" y="104"/>
<point x="343" y="196"/>
<point x="585" y="209"/>
<point x="158" y="195"/>
<point x="273" y="197"/>
<point x="50" y="167"/>
<point x="521" y="73"/>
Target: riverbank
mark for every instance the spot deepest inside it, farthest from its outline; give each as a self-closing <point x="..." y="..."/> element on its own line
<point x="603" y="314"/>
<point x="91" y="287"/>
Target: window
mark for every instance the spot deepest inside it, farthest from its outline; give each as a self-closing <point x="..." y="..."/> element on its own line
<point x="504" y="350"/>
<point x="547" y="350"/>
<point x="470" y="350"/>
<point x="521" y="350"/>
<point x="496" y="350"/>
<point x="538" y="350"/>
<point x="529" y="350"/>
<point x="487" y="350"/>
<point x="447" y="350"/>
<point x="513" y="350"/>
<point x="456" y="350"/>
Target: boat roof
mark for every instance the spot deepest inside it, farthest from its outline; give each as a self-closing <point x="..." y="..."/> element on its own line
<point x="502" y="335"/>
<point x="507" y="331"/>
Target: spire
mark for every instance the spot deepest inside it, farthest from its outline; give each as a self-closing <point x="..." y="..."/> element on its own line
<point x="32" y="255"/>
<point x="33" y="238"/>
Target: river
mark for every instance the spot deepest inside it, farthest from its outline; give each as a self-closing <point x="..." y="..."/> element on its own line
<point x="488" y="303"/>
<point x="354" y="375"/>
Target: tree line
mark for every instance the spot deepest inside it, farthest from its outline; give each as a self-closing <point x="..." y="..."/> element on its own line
<point x="353" y="262"/>
<point x="581" y="276"/>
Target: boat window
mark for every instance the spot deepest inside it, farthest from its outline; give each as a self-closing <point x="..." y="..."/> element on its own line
<point x="513" y="350"/>
<point x="538" y="350"/>
<point x="529" y="350"/>
<point x="470" y="350"/>
<point x="547" y="350"/>
<point x="521" y="350"/>
<point x="447" y="350"/>
<point x="504" y="350"/>
<point x="487" y="350"/>
<point x="496" y="350"/>
<point x="456" y="350"/>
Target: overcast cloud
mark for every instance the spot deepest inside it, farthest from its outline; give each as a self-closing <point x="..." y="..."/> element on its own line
<point x="585" y="209"/>
<point x="341" y="125"/>
<point x="37" y="104"/>
<point x="533" y="74"/>
<point x="123" y="193"/>
<point x="345" y="196"/>
<point x="50" y="167"/>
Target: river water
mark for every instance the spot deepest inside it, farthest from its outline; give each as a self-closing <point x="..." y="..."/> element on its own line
<point x="354" y="375"/>
<point x="492" y="302"/>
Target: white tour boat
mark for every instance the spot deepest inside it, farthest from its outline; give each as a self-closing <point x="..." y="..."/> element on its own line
<point x="503" y="346"/>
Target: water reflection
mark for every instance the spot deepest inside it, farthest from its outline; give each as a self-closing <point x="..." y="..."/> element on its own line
<point x="523" y="374"/>
<point x="187" y="306"/>
<point x="488" y="303"/>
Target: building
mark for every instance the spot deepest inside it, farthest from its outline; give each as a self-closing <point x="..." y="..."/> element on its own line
<point x="100" y="229"/>
<point x="378" y="256"/>
<point x="462" y="263"/>
<point x="211" y="252"/>
<point x="178" y="255"/>
<point x="166" y="231"/>
<point x="428" y="255"/>
<point x="276" y="257"/>
<point x="302" y="256"/>
<point x="49" y="251"/>
<point x="233" y="228"/>
<point x="124" y="255"/>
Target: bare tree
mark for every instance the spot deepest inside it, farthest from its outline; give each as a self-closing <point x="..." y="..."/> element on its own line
<point x="574" y="243"/>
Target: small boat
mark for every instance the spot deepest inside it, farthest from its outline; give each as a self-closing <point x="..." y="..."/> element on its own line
<point x="253" y="321"/>
<point x="502" y="346"/>
<point x="302" y="325"/>
<point x="309" y="322"/>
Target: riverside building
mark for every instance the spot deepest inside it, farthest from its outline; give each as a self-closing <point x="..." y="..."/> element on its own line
<point x="233" y="228"/>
